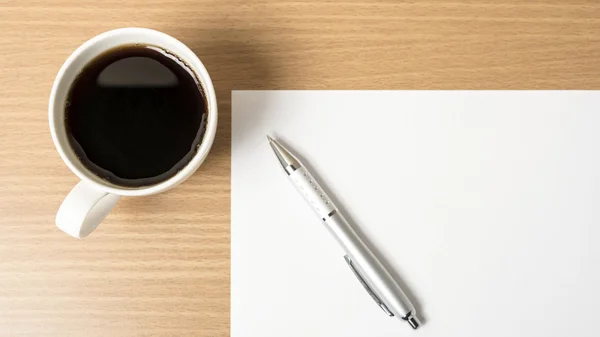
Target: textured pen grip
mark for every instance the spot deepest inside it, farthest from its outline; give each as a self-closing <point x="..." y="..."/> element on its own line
<point x="312" y="192"/>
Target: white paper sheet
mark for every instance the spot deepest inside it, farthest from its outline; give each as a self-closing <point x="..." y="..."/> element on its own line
<point x="485" y="204"/>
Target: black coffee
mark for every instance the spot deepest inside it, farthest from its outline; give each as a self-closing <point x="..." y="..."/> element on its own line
<point x="135" y="115"/>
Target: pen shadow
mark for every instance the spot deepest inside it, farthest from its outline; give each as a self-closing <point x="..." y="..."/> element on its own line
<point x="420" y="313"/>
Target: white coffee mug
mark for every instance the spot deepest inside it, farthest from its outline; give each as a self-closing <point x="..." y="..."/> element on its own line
<point x="90" y="201"/>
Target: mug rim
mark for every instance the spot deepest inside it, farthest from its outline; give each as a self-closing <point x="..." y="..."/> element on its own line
<point x="194" y="64"/>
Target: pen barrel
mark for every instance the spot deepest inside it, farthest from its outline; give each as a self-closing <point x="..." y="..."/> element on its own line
<point x="371" y="269"/>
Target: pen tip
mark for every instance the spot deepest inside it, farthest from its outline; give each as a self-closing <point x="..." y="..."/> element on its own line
<point x="269" y="138"/>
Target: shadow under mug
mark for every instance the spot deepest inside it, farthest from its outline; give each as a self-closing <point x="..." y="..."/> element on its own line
<point x="90" y="201"/>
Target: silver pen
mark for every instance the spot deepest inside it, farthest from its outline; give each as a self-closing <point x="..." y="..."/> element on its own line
<point x="378" y="282"/>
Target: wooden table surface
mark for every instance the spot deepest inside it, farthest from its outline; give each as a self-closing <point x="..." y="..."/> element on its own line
<point x="159" y="265"/>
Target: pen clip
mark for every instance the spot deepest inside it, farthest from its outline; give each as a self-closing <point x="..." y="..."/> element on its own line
<point x="367" y="288"/>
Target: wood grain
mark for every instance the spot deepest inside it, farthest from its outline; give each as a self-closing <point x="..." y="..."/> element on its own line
<point x="159" y="266"/>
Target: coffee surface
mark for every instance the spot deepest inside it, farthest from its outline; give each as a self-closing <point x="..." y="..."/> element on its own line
<point x="135" y="115"/>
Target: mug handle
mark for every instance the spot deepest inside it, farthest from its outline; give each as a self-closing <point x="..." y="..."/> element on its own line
<point x="83" y="209"/>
